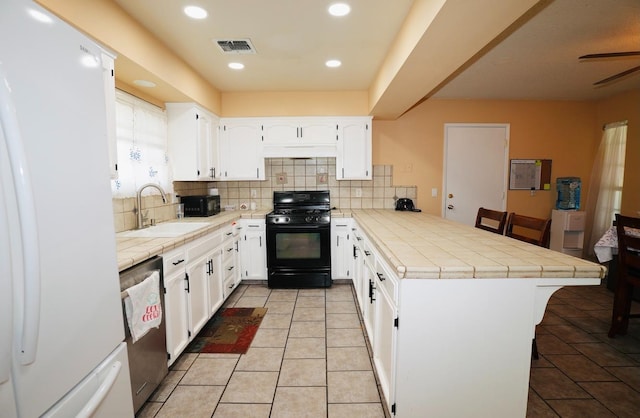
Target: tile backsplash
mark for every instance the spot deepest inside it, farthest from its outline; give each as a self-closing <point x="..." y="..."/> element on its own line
<point x="281" y="174"/>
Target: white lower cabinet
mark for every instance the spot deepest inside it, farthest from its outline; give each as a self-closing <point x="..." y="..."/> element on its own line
<point x="175" y="302"/>
<point x="377" y="291"/>
<point x="253" y="251"/>
<point x="358" y="266"/>
<point x="197" y="288"/>
<point x="341" y="250"/>
<point x="385" y="331"/>
<point x="194" y="278"/>
<point x="230" y="259"/>
<point x="216" y="293"/>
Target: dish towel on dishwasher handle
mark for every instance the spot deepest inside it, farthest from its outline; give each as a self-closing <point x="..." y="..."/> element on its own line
<point x="143" y="307"/>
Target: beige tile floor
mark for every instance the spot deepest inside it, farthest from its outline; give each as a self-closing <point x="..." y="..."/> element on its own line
<point x="310" y="358"/>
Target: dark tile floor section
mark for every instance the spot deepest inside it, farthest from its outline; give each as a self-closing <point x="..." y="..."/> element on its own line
<point x="582" y="372"/>
<point x="311" y="346"/>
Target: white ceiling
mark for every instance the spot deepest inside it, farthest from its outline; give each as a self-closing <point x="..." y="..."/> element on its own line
<point x="293" y="39"/>
<point x="540" y="59"/>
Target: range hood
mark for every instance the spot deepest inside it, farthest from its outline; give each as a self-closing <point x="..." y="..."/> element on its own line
<point x="299" y="151"/>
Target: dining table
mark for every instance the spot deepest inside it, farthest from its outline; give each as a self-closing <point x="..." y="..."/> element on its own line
<point x="606" y="251"/>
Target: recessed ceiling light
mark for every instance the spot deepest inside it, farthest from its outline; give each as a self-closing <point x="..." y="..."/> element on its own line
<point x="195" y="12"/>
<point x="339" y="9"/>
<point x="333" y="63"/>
<point x="236" y="65"/>
<point x="144" y="83"/>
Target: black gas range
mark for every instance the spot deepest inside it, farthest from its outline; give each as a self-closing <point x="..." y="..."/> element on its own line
<point x="299" y="240"/>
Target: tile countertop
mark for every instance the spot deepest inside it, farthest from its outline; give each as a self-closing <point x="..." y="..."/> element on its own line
<point x="131" y="251"/>
<point x="417" y="245"/>
<point x="425" y="246"/>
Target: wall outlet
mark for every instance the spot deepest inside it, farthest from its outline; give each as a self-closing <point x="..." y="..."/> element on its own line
<point x="434" y="192"/>
<point x="358" y="192"/>
<point x="254" y="193"/>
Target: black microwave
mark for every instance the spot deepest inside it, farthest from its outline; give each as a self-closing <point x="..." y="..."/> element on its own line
<point x="200" y="205"/>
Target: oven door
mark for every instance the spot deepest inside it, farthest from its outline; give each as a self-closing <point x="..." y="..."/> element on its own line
<point x="298" y="246"/>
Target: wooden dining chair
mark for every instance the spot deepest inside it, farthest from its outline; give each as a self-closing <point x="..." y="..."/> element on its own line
<point x="491" y="220"/>
<point x="534" y="231"/>
<point x="628" y="229"/>
<point x="528" y="229"/>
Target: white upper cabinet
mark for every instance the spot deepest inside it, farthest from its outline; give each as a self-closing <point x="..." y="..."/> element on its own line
<point x="291" y="137"/>
<point x="353" y="159"/>
<point x="299" y="131"/>
<point x="193" y="144"/>
<point x="241" y="149"/>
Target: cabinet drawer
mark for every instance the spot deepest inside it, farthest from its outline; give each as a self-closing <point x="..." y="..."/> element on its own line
<point x="253" y="226"/>
<point x="173" y="261"/>
<point x="228" y="268"/>
<point x="369" y="256"/>
<point x="388" y="282"/>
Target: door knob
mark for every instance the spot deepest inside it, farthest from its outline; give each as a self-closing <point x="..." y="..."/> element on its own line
<point x="450" y="195"/>
<point x="450" y="207"/>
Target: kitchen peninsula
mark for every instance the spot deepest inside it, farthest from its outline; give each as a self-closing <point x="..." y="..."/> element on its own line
<point x="450" y="310"/>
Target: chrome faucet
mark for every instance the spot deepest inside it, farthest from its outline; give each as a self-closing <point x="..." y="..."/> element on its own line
<point x="139" y="201"/>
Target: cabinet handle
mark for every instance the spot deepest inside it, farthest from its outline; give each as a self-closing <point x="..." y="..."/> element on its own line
<point x="186" y="278"/>
<point x="355" y="252"/>
<point x="358" y="238"/>
<point x="230" y="268"/>
<point x="254" y="226"/>
<point x="337" y="241"/>
<point x="258" y="172"/>
<point x="178" y="262"/>
<point x="229" y="249"/>
<point x="341" y="225"/>
<point x="372" y="288"/>
<point x="260" y="238"/>
<point x="367" y="253"/>
<point x="380" y="276"/>
<point x="228" y="233"/>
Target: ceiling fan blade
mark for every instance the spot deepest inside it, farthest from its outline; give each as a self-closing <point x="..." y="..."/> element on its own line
<point x="617" y="76"/>
<point x="610" y="55"/>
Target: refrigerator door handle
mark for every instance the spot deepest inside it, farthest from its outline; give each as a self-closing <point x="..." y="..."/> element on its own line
<point x="6" y="294"/>
<point x="28" y="224"/>
<point x="99" y="396"/>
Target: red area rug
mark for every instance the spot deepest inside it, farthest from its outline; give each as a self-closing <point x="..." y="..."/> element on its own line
<point x="231" y="330"/>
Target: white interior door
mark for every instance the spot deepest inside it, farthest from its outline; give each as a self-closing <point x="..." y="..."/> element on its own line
<point x="476" y="161"/>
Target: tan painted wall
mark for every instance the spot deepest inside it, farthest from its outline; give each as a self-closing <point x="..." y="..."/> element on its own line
<point x="320" y="103"/>
<point x="625" y="106"/>
<point x="562" y="131"/>
<point x="108" y="23"/>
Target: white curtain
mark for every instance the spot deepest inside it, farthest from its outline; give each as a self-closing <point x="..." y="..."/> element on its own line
<point x="141" y="130"/>
<point x="607" y="178"/>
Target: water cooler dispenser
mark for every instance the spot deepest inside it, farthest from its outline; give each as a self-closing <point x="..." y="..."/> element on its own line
<point x="568" y="189"/>
<point x="567" y="222"/>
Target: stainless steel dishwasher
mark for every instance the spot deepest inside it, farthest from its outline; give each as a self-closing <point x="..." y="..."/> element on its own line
<point x="148" y="355"/>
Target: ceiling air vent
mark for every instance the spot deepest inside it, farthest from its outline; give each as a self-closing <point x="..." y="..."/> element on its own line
<point x="235" y="46"/>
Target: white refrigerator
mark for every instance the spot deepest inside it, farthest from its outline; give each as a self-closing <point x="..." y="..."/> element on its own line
<point x="61" y="330"/>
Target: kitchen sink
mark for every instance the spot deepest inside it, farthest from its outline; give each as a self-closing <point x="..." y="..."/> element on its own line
<point x="165" y="230"/>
